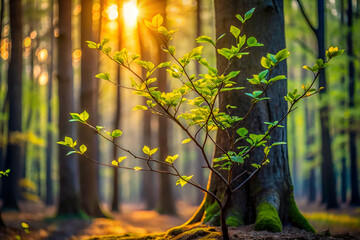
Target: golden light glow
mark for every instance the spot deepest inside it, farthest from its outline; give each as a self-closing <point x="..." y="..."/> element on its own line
<point x="5" y="45"/>
<point x="33" y="34"/>
<point x="43" y="79"/>
<point x="112" y="12"/>
<point x="96" y="12"/>
<point x="130" y="13"/>
<point x="77" y="10"/>
<point x="27" y="42"/>
<point x="76" y="55"/>
<point x="42" y="55"/>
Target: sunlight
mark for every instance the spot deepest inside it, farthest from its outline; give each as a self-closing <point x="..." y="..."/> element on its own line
<point x="112" y="12"/>
<point x="43" y="79"/>
<point x="130" y="13"/>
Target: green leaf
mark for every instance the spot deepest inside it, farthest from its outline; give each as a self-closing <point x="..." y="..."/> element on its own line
<point x="204" y="39"/>
<point x="140" y="107"/>
<point x="235" y="31"/>
<point x="153" y="151"/>
<point x="114" y="163"/>
<point x="157" y="20"/>
<point x="227" y="53"/>
<point x="84" y="116"/>
<point x="104" y="76"/>
<point x="82" y="148"/>
<point x="184" y="180"/>
<point x="221" y="36"/>
<point x="249" y="14"/>
<point x="137" y="168"/>
<point x="265" y="62"/>
<point x="75" y="117"/>
<point x="116" y="133"/>
<point x="171" y="159"/>
<point x="146" y="150"/>
<point x="252" y="42"/>
<point x="186" y="141"/>
<point x="69" y="141"/>
<point x="99" y="128"/>
<point x="238" y="16"/>
<point x="62" y="143"/>
<point x="120" y="159"/>
<point x="278" y="143"/>
<point x="71" y="152"/>
<point x="237" y="159"/>
<point x="91" y="44"/>
<point x="308" y="68"/>
<point x="242" y="132"/>
<point x="256" y="165"/>
<point x="282" y="54"/>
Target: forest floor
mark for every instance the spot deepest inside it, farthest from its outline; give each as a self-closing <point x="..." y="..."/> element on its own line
<point x="343" y="223"/>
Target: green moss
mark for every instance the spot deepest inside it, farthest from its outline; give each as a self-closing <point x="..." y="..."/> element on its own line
<point x="234" y="219"/>
<point x="212" y="214"/>
<point x="295" y="216"/>
<point x="267" y="218"/>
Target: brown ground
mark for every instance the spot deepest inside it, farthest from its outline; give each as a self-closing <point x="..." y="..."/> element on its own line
<point x="135" y="220"/>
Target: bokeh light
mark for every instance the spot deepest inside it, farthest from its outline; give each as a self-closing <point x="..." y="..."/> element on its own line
<point x="42" y="55"/>
<point x="27" y="42"/>
<point x="130" y="13"/>
<point x="44" y="78"/>
<point x="76" y="55"/>
<point x="112" y="12"/>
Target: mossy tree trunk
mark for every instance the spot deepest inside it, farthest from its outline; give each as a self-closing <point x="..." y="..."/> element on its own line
<point x="267" y="199"/>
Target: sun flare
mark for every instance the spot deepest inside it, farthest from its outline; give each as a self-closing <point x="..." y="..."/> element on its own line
<point x="112" y="12"/>
<point x="130" y="13"/>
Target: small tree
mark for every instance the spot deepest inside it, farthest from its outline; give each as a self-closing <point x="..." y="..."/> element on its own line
<point x="204" y="116"/>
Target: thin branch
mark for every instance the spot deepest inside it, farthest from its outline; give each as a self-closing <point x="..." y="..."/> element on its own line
<point x="307" y="18"/>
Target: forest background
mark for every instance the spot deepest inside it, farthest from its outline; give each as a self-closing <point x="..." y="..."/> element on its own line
<point x="41" y="105"/>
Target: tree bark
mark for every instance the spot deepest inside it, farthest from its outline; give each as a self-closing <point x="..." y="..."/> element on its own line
<point x="49" y="135"/>
<point x="69" y="203"/>
<point x="88" y="171"/>
<point x="117" y="121"/>
<point x="327" y="166"/>
<point x="166" y="202"/>
<point x="148" y="178"/>
<point x="13" y="152"/>
<point x="355" y="197"/>
<point x="268" y="198"/>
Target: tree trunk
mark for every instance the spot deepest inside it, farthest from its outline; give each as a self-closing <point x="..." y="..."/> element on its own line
<point x="342" y="132"/>
<point x="49" y="132"/>
<point x="69" y="203"/>
<point x="13" y="152"/>
<point x="117" y="121"/>
<point x="166" y="202"/>
<point x="88" y="173"/>
<point x="355" y="198"/>
<point x="148" y="178"/>
<point x="268" y="198"/>
<point x="327" y="166"/>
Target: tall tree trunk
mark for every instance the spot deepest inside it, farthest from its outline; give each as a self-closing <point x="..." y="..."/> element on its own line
<point x="268" y="198"/>
<point x="49" y="133"/>
<point x="327" y="166"/>
<point x="148" y="178"/>
<point x="199" y="158"/>
<point x="355" y="198"/>
<point x="342" y="123"/>
<point x="69" y="203"/>
<point x="88" y="173"/>
<point x="166" y="203"/>
<point x="117" y="120"/>
<point x="13" y="152"/>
